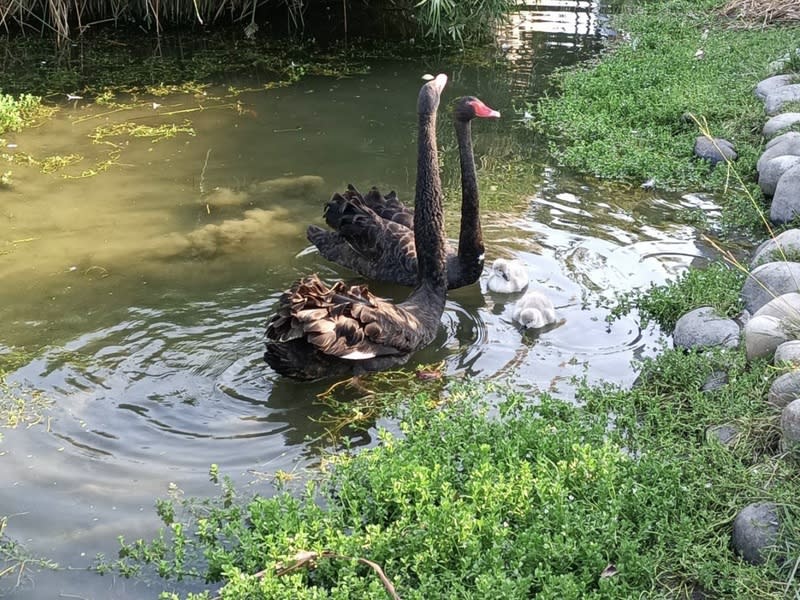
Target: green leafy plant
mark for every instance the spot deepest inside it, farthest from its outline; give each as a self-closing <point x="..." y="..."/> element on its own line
<point x="717" y="286"/>
<point x="454" y="22"/>
<point x="509" y="499"/>
<point x="15" y="113"/>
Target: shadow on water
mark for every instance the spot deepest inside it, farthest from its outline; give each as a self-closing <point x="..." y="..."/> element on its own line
<point x="146" y="288"/>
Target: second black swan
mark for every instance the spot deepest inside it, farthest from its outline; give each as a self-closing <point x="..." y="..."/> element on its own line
<point x="371" y="233"/>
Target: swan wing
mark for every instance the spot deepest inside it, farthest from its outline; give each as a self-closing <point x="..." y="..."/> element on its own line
<point x="386" y="244"/>
<point x="348" y="322"/>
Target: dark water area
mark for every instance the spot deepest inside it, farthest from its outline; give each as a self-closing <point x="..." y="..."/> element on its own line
<point x="142" y="291"/>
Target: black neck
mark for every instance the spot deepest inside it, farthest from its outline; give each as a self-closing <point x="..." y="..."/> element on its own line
<point x="470" y="240"/>
<point x="428" y="211"/>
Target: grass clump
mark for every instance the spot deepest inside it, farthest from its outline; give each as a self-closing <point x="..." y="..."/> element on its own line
<point x="627" y="117"/>
<point x="717" y="286"/>
<point x="622" y="498"/>
<point x="16" y="113"/>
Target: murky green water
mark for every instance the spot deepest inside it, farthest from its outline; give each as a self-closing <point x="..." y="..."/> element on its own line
<point x="148" y="285"/>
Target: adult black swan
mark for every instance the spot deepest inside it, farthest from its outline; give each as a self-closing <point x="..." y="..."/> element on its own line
<point x="321" y="330"/>
<point x="372" y="234"/>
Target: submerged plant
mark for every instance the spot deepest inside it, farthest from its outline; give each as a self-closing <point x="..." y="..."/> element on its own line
<point x="17" y="564"/>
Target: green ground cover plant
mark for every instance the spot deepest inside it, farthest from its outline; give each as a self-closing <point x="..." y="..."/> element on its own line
<point x="717" y="286"/>
<point x="18" y="111"/>
<point x="629" y="116"/>
<point x="492" y="495"/>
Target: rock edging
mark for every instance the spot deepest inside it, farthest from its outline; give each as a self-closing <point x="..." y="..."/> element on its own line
<point x="771" y="294"/>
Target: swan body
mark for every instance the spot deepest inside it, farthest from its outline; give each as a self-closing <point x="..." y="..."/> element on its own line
<point x="320" y="330"/>
<point x="372" y="233"/>
<point x="534" y="311"/>
<point x="507" y="276"/>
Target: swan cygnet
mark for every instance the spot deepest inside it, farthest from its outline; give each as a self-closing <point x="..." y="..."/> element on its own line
<point x="534" y="311"/>
<point x="507" y="276"/>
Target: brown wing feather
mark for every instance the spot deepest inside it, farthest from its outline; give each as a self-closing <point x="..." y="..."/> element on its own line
<point x="342" y="320"/>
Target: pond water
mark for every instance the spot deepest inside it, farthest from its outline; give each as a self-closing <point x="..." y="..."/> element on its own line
<point x="142" y="291"/>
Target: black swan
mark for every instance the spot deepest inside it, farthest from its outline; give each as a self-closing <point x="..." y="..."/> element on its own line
<point x="372" y="235"/>
<point x="320" y="331"/>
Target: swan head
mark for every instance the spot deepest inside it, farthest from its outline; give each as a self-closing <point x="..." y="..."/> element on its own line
<point x="469" y="107"/>
<point x="532" y="318"/>
<point x="428" y="101"/>
<point x="507" y="276"/>
<point x="534" y="311"/>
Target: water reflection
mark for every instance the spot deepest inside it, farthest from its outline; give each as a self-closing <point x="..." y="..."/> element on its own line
<point x="540" y="36"/>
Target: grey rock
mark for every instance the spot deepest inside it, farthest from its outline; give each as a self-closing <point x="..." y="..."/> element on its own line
<point x="782" y="138"/>
<point x="780" y="122"/>
<point x="785" y="143"/>
<point x="784" y="389"/>
<point x="783" y="246"/>
<point x="714" y="150"/>
<point x="790" y="423"/>
<point x="776" y="100"/>
<point x="778" y="277"/>
<point x="788" y="353"/>
<point x="724" y="434"/>
<point x="762" y="336"/>
<point x="704" y="328"/>
<point x="773" y="170"/>
<point x="771" y="84"/>
<point x="786" y="200"/>
<point x="755" y="529"/>
<point x="716" y="380"/>
<point x="786" y="308"/>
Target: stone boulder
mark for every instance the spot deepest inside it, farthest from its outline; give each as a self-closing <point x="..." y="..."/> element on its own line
<point x="714" y="381"/>
<point x="773" y="170"/>
<point x="784" y="389"/>
<point x="772" y="84"/>
<point x="725" y="434"/>
<point x="776" y="100"/>
<point x="787" y="243"/>
<point x="786" y="199"/>
<point x="783" y="138"/>
<point x="755" y="529"/>
<point x="714" y="150"/>
<point x="785" y="143"/>
<point x="704" y="328"/>
<point x="790" y="424"/>
<point x="788" y="353"/>
<point x="785" y="307"/>
<point x="763" y="335"/>
<point x="779" y="122"/>
<point x="778" y="277"/>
